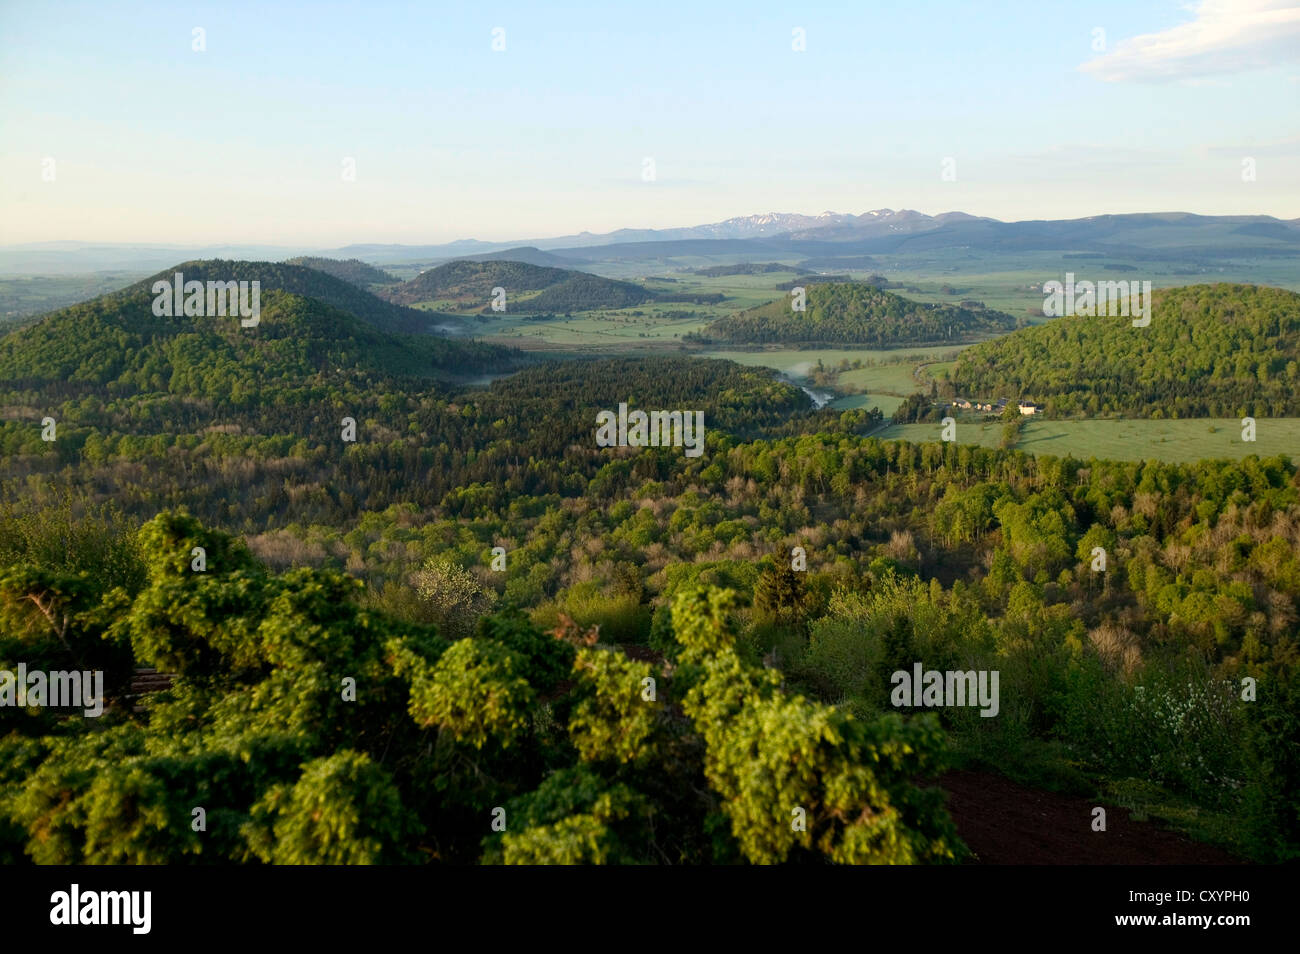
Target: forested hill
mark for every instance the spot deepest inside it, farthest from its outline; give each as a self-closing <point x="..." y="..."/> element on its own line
<point x="308" y="282"/>
<point x="468" y="285"/>
<point x="855" y="313"/>
<point x="583" y="292"/>
<point x="115" y="342"/>
<point x="471" y="283"/>
<point x="351" y="270"/>
<point x="1210" y="351"/>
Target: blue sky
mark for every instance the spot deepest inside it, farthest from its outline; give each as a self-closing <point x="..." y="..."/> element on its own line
<point x="244" y="142"/>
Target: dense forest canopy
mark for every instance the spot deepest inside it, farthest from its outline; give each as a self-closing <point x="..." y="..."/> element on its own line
<point x="748" y="268"/>
<point x="470" y="283"/>
<point x="530" y="289"/>
<point x="310" y="729"/>
<point x="307" y="282"/>
<point x="499" y="589"/>
<point x="583" y="292"/>
<point x="855" y="313"/>
<point x="115" y="345"/>
<point x="351" y="270"/>
<point x="1209" y="351"/>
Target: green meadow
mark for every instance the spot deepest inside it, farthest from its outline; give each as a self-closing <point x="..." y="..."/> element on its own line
<point x="794" y="361"/>
<point x="652" y="326"/>
<point x="1175" y="441"/>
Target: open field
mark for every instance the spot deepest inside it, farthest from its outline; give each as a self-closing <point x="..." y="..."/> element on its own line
<point x="619" y="330"/>
<point x="885" y="384"/>
<point x="895" y="378"/>
<point x="1175" y="441"/>
<point x="888" y="403"/>
<point x="623" y="330"/>
<point x="796" y="362"/>
<point x="23" y="296"/>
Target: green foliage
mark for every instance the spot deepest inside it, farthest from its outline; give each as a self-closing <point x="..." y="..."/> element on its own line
<point x="771" y="756"/>
<point x="297" y="722"/>
<point x="310" y="324"/>
<point x="864" y="638"/>
<point x="476" y="692"/>
<point x="311" y="547"/>
<point x="547" y="660"/>
<point x="856" y="313"/>
<point x="343" y="810"/>
<point x="186" y="621"/>
<point x="1178" y="728"/>
<point x="621" y="616"/>
<point x="308" y="281"/>
<point x="98" y="541"/>
<point x="574" y="817"/>
<point x="351" y="270"/>
<point x="781" y="594"/>
<point x="1210" y="351"/>
<point x="581" y="291"/>
<point x="612" y="719"/>
<point x="472" y="282"/>
<point x="1273" y="792"/>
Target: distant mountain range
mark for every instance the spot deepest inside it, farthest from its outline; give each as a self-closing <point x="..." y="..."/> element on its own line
<point x="1162" y="234"/>
<point x="1156" y="235"/>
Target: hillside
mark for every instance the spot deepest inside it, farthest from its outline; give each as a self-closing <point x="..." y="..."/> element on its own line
<point x="583" y="292"/>
<point x="747" y="268"/>
<point x="527" y="254"/>
<point x="351" y="270"/>
<point x="308" y="282"/>
<point x="115" y="342"/>
<point x="470" y="283"/>
<point x="855" y="313"/>
<point x="1210" y="351"/>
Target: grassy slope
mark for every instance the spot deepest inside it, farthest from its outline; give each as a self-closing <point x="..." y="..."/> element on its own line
<point x="1181" y="441"/>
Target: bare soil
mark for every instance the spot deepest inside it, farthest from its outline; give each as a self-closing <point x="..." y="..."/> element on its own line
<point x="1005" y="823"/>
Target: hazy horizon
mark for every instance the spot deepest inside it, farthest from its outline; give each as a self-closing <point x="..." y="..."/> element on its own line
<point x="522" y="240"/>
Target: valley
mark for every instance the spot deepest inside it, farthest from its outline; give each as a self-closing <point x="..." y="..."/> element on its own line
<point x="467" y="513"/>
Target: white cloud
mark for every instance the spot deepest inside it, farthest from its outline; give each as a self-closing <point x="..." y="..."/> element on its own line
<point x="1226" y="36"/>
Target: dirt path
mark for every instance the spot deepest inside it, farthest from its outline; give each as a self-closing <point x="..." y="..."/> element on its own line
<point x="1008" y="824"/>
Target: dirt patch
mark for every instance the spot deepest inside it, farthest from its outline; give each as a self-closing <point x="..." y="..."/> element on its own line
<point x="643" y="654"/>
<point x="1005" y="823"/>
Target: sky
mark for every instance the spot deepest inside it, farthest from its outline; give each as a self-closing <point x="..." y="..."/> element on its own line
<point x="239" y="123"/>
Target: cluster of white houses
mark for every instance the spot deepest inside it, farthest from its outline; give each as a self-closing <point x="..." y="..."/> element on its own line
<point x="998" y="406"/>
